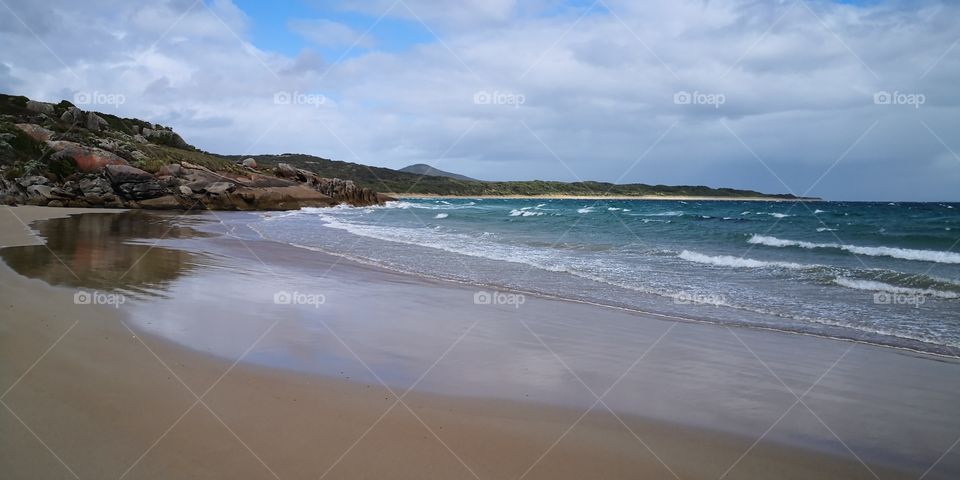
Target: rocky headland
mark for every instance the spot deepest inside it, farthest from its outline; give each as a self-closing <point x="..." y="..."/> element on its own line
<point x="62" y="156"/>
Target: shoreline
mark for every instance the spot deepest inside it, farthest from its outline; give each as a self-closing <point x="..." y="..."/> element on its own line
<point x="666" y="316"/>
<point x="610" y="197"/>
<point x="464" y="425"/>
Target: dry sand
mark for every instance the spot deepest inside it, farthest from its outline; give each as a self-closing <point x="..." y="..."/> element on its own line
<point x="84" y="396"/>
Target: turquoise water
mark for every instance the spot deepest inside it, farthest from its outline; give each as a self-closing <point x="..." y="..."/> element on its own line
<point x="885" y="273"/>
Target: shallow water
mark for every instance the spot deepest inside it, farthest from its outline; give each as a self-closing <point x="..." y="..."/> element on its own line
<point x="876" y="272"/>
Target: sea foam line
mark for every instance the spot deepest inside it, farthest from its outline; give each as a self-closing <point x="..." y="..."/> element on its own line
<point x="875" y="286"/>
<point x="935" y="256"/>
<point x="737" y="262"/>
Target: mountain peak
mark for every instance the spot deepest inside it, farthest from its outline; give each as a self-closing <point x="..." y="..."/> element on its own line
<point x="424" y="169"/>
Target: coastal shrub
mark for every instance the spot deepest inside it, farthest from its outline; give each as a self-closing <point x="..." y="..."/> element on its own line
<point x="62" y="167"/>
<point x="19" y="101"/>
<point x="13" y="172"/>
<point x="34" y="167"/>
<point x="160" y="155"/>
<point x="21" y="147"/>
<point x="116" y="123"/>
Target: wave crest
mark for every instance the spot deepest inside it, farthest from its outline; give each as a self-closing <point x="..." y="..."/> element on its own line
<point x="737" y="262"/>
<point x="934" y="256"/>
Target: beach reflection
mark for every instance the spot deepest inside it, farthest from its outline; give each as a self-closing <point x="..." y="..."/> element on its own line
<point x="106" y="252"/>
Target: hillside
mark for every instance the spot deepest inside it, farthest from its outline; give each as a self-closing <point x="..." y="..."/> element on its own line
<point x="59" y="141"/>
<point x="61" y="156"/>
<point x="424" y="169"/>
<point x="404" y="183"/>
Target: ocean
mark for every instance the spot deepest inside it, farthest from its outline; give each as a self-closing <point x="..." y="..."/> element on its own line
<point x="882" y="273"/>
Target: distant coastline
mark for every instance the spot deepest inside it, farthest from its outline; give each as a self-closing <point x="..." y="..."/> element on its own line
<point x="613" y="197"/>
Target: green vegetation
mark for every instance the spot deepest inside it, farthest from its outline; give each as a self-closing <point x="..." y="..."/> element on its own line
<point x="160" y="155"/>
<point x="18" y="152"/>
<point x="394" y="181"/>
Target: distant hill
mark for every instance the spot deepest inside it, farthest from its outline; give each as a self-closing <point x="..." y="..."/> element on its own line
<point x="424" y="169"/>
<point x="32" y="132"/>
<point x="405" y="183"/>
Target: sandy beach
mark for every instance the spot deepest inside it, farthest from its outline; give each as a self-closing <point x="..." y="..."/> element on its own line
<point x="199" y="373"/>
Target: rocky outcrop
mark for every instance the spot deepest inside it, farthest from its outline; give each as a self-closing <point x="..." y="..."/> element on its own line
<point x="133" y="183"/>
<point x="343" y="191"/>
<point x="89" y="120"/>
<point x="164" y="137"/>
<point x="60" y="155"/>
<point x="86" y="159"/>
<point x="41" y="107"/>
<point x="35" y="131"/>
<point x="94" y="190"/>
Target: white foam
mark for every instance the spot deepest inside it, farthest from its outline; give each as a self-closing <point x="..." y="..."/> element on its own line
<point x="442" y="215"/>
<point x="818" y="211"/>
<point x="934" y="256"/>
<point x="523" y="212"/>
<point x="825" y="229"/>
<point x="875" y="286"/>
<point x="585" y="210"/>
<point x="401" y="205"/>
<point x="737" y="262"/>
<point x="468" y="245"/>
<point x="674" y="213"/>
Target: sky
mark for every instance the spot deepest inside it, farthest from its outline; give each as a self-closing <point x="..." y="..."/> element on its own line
<point x="852" y="100"/>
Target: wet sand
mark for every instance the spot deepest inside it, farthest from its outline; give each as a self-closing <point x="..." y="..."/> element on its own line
<point x="93" y="391"/>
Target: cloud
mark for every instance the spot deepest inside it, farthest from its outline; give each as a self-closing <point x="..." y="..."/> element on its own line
<point x="598" y="86"/>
